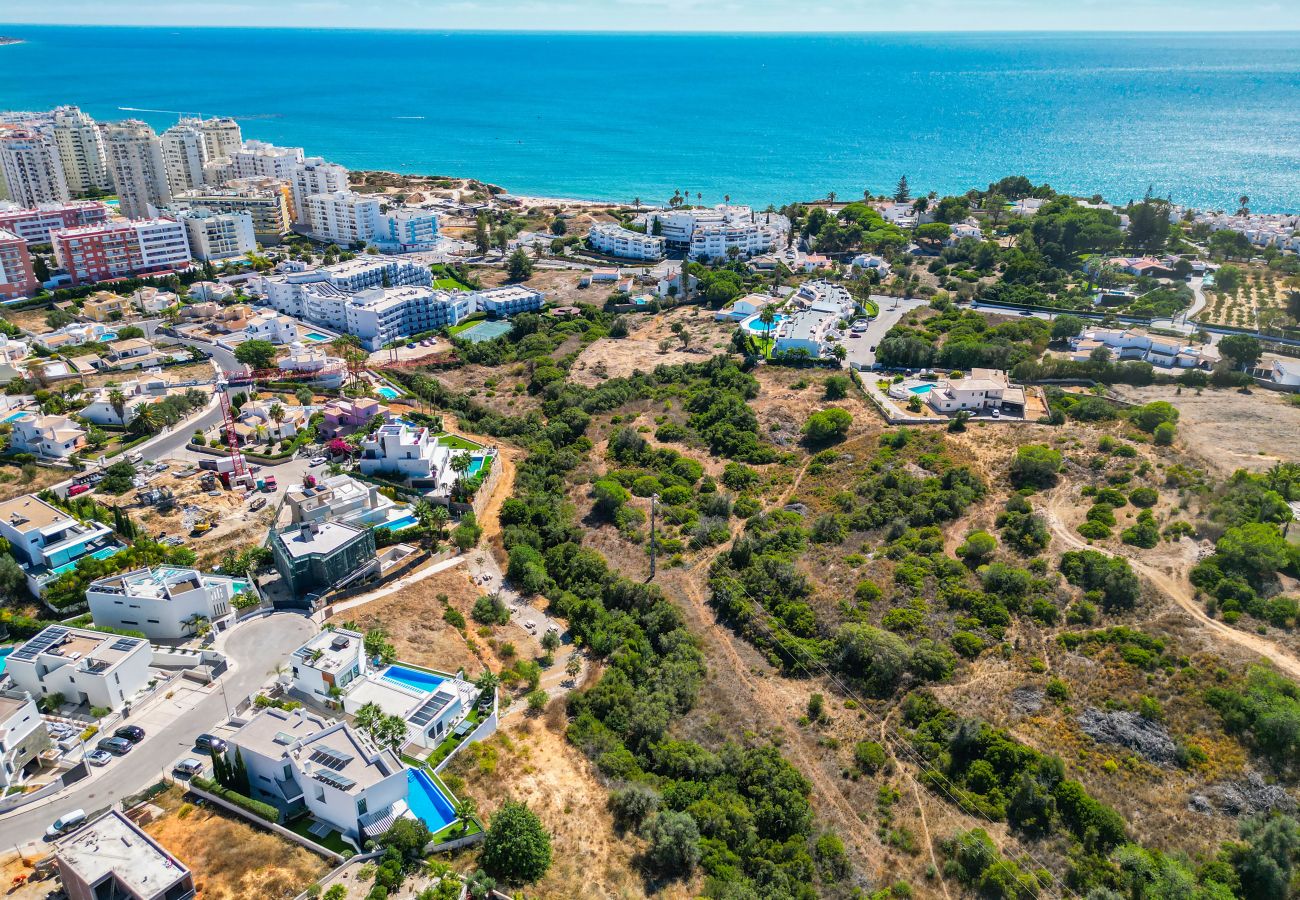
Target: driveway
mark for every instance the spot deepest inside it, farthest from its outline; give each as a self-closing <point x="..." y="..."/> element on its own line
<point x="254" y="647"/>
<point x="861" y="356"/>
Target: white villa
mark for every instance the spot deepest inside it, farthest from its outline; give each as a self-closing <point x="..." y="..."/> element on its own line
<point x="1134" y="343"/>
<point x="819" y="307"/>
<point x="983" y="390"/>
<point x="304" y="360"/>
<point x="341" y="498"/>
<point x="86" y="667"/>
<point x="23" y="735"/>
<point x="332" y="666"/>
<point x="1285" y="371"/>
<point x="56" y="437"/>
<point x="297" y="760"/>
<point x="45" y="540"/>
<point x="163" y="603"/>
<point x="746" y="306"/>
<point x="276" y="328"/>
<point x="411" y="452"/>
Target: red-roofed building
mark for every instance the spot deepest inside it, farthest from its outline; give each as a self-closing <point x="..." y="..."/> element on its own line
<point x="123" y="249"/>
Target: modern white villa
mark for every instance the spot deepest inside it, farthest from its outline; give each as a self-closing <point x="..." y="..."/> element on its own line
<point x="47" y="542"/>
<point x="85" y="667"/>
<point x="164" y="603"/>
<point x="984" y="390"/>
<point x="332" y="666"/>
<point x="401" y="450"/>
<point x="1135" y="343"/>
<point x="342" y="498"/>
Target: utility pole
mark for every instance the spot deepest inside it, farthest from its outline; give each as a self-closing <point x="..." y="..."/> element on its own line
<point x="654" y="545"/>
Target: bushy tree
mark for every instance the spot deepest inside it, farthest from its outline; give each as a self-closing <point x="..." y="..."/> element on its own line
<point x="517" y="847"/>
<point x="827" y="425"/>
<point x="1035" y="465"/>
<point x="674" y="843"/>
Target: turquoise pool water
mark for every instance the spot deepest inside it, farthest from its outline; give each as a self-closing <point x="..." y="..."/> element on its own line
<point x="399" y="524"/>
<point x="15" y="415"/>
<point x="475" y="463"/>
<point x="240" y="586"/>
<point x="412" y="678"/>
<point x="316" y="336"/>
<point x="4" y="657"/>
<point x="388" y="393"/>
<point x="756" y="325"/>
<point x="427" y="802"/>
<point x="922" y="389"/>
<point x="108" y="336"/>
<point x="101" y="553"/>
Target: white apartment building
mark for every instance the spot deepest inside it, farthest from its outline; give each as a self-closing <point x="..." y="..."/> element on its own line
<point x="23" y="736"/>
<point x="322" y="295"/>
<point x="184" y="152"/>
<point x="81" y="152"/>
<point x="163" y="244"/>
<point x="711" y="233"/>
<point x="87" y="667"/>
<point x="221" y="137"/>
<point x="52" y="437"/>
<point x="217" y="235"/>
<point x="43" y="538"/>
<point x="407" y="230"/>
<point x="343" y="217"/>
<point x="30" y="166"/>
<point x="315" y="176"/>
<point x="507" y="300"/>
<point x="266" y="203"/>
<point x="297" y="760"/>
<point x="258" y="159"/>
<point x="381" y="315"/>
<point x="35" y="226"/>
<point x="164" y="603"/>
<point x="607" y="237"/>
<point x="135" y="162"/>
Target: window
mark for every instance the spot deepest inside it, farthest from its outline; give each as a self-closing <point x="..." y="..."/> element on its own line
<point x="361" y="806"/>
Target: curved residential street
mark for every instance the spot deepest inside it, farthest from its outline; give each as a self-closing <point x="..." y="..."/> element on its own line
<point x="254" y="648"/>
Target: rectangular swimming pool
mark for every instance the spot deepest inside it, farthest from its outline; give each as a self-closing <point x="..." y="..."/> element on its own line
<point x="316" y="336"/>
<point x="426" y="682"/>
<point x="15" y="415"/>
<point x="387" y="393"/>
<point x="4" y="658"/>
<point x="101" y="553"/>
<point x="399" y="524"/>
<point x="427" y="802"/>
<point x="922" y="389"/>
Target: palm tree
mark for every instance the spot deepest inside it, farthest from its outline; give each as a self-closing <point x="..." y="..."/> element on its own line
<point x="423" y="511"/>
<point x="465" y="810"/>
<point x="117" y="400"/>
<point x="1245" y="205"/>
<point x="369" y="714"/>
<point x="574" y="665"/>
<point x="636" y="201"/>
<point x="460" y="465"/>
<point x="438" y="518"/>
<point x="146" y="420"/>
<point x="830" y="196"/>
<point x="276" y="412"/>
<point x="767" y="317"/>
<point x="487" y="682"/>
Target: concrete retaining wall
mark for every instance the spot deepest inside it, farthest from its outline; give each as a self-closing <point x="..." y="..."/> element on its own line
<point x="263" y="823"/>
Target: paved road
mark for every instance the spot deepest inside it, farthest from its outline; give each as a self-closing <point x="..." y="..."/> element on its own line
<point x="254" y="647"/>
<point x="861" y="356"/>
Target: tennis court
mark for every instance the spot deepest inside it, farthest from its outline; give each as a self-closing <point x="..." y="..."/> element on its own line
<point x="486" y="331"/>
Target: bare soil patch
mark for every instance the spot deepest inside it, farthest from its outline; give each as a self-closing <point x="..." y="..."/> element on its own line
<point x="1229" y="430"/>
<point x="640" y="350"/>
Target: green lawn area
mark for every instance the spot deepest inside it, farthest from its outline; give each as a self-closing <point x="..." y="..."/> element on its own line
<point x="456" y="442"/>
<point x="332" y="841"/>
<point x="871" y="307"/>
<point x="452" y="831"/>
<point x="467" y="322"/>
<point x="449" y="284"/>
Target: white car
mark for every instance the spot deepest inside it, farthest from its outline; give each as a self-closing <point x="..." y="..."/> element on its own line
<point x="316" y="461"/>
<point x="66" y="822"/>
<point x="99" y="757"/>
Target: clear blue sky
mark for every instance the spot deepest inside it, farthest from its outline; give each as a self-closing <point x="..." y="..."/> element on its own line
<point x="676" y="15"/>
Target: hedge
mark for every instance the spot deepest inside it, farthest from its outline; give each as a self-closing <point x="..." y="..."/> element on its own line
<point x="256" y="807"/>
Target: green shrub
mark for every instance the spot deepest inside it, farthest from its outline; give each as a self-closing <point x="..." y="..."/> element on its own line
<point x="248" y="804"/>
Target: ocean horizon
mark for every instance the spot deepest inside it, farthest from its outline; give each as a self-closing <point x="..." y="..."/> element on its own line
<point x="763" y="117"/>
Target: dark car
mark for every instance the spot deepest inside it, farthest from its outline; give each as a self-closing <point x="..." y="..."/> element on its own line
<point x="116" y="746"/>
<point x="132" y="733"/>
<point x="210" y="742"/>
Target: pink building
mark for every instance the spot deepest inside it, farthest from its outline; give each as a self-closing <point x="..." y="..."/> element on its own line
<point x="36" y="225"/>
<point x="16" y="278"/>
<point x="343" y="417"/>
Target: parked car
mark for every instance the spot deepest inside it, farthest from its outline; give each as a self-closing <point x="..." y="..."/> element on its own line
<point x="189" y="766"/>
<point x="316" y="461"/>
<point x="66" y="822"/>
<point x="132" y="733"/>
<point x="78" y="489"/>
<point x="115" y="745"/>
<point x="210" y="743"/>
<point x="99" y="757"/>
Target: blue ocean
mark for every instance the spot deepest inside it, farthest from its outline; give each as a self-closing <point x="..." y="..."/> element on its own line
<point x="1201" y="118"/>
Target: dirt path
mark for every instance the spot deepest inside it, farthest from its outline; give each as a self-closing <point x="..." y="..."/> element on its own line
<point x="1177" y="588"/>
<point x="920" y="805"/>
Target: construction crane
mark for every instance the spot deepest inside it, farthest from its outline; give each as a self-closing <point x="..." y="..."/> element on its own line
<point x="237" y="472"/>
